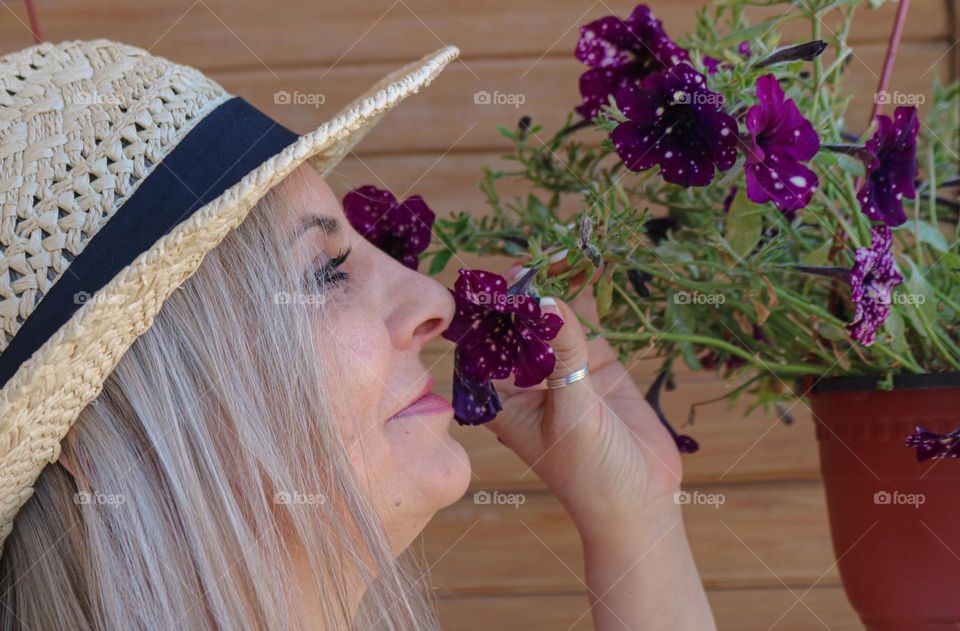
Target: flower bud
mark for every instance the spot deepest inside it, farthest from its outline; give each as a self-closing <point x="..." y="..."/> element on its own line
<point x="801" y="52"/>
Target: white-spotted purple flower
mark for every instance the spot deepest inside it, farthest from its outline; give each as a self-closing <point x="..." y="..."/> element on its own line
<point x="934" y="446"/>
<point x="893" y="168"/>
<point x="780" y="139"/>
<point x="620" y="52"/>
<point x="677" y="122"/>
<point x="474" y="402"/>
<point x="872" y="279"/>
<point x="498" y="332"/>
<point x="401" y="229"/>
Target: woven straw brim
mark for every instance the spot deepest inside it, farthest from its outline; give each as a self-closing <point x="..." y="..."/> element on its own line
<point x="43" y="399"/>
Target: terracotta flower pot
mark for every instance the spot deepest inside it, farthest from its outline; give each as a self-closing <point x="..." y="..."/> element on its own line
<point x="895" y="522"/>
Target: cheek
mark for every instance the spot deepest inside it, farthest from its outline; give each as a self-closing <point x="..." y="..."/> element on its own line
<point x="409" y="467"/>
<point x="361" y="348"/>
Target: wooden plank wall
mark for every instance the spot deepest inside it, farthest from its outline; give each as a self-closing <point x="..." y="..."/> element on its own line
<point x="765" y="555"/>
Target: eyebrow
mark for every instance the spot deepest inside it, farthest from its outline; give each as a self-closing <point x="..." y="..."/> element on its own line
<point x="329" y="225"/>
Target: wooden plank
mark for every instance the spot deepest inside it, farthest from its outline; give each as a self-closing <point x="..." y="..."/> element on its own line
<point x="762" y="535"/>
<point x="218" y="34"/>
<point x="773" y="609"/>
<point x="446" y="119"/>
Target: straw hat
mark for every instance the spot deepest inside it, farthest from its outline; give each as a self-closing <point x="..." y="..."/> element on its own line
<point x="119" y="171"/>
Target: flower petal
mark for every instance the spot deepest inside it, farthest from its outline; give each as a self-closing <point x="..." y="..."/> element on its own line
<point x="872" y="280"/>
<point x="492" y="354"/>
<point x="789" y="185"/>
<point x="636" y="146"/>
<point x="604" y="43"/>
<point x="892" y="172"/>
<point x="535" y="360"/>
<point x="474" y="402"/>
<point x="364" y="208"/>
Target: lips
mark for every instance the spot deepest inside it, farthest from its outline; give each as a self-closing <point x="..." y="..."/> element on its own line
<point x="425" y="403"/>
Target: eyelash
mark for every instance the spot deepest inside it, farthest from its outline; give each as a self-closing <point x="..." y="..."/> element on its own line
<point x="328" y="273"/>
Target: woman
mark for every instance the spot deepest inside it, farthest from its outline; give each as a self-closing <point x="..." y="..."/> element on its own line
<point x="260" y="452"/>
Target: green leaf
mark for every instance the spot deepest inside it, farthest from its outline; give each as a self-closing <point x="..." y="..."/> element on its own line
<point x="538" y="212"/>
<point x="819" y="256"/>
<point x="896" y="335"/>
<point x="830" y="5"/>
<point x="830" y="331"/>
<point x="919" y="301"/>
<point x="951" y="260"/>
<point x="682" y="318"/>
<point x="604" y="294"/>
<point x="439" y="261"/>
<point x="929" y="234"/>
<point x="744" y="224"/>
<point x="513" y="249"/>
<point x="669" y="252"/>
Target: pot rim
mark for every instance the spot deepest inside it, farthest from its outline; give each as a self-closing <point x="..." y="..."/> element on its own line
<point x="909" y="381"/>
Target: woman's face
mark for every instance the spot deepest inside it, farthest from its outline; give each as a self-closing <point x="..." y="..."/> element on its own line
<point x="379" y="315"/>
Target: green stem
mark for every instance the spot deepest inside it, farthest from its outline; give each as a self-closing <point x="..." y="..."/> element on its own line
<point x="633" y="305"/>
<point x="817" y="65"/>
<point x="651" y="336"/>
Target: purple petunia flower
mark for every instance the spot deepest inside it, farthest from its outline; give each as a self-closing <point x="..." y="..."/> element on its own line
<point x="474" y="402"/>
<point x="781" y="138"/>
<point x="872" y="279"/>
<point x="677" y="122"/>
<point x="401" y="229"/>
<point x="893" y="169"/>
<point x="934" y="446"/>
<point x="498" y="332"/>
<point x="712" y="64"/>
<point x="620" y="52"/>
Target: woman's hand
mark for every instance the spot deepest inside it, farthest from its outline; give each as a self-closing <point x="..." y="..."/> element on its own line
<point x="596" y="443"/>
<point x="603" y="452"/>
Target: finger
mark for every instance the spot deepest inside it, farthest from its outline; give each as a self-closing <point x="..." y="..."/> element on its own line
<point x="534" y="413"/>
<point x="556" y="264"/>
<point x="573" y="403"/>
<point x="570" y="344"/>
<point x="584" y="305"/>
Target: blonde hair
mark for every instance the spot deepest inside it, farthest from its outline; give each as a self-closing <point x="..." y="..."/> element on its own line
<point x="208" y="462"/>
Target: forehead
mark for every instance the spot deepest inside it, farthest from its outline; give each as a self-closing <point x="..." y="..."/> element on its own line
<point x="308" y="194"/>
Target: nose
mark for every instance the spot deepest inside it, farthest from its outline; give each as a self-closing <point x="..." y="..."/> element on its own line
<point x="422" y="309"/>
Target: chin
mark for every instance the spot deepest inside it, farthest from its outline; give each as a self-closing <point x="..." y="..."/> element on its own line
<point x="442" y="471"/>
<point x="453" y="475"/>
<point x="436" y="465"/>
<point x="436" y="475"/>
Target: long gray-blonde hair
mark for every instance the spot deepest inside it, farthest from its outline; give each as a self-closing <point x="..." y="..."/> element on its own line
<point x="210" y="460"/>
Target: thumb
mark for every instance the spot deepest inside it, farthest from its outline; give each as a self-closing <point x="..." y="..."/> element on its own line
<point x="567" y="404"/>
<point x="531" y="423"/>
<point x="570" y="344"/>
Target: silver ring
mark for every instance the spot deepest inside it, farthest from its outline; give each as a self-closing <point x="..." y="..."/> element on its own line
<point x="563" y="382"/>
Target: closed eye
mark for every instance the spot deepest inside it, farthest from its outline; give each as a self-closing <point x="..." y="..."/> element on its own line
<point x="326" y="271"/>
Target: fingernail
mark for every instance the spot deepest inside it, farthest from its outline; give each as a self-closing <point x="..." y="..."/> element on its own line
<point x="558" y="256"/>
<point x="549" y="305"/>
<point x="520" y="272"/>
